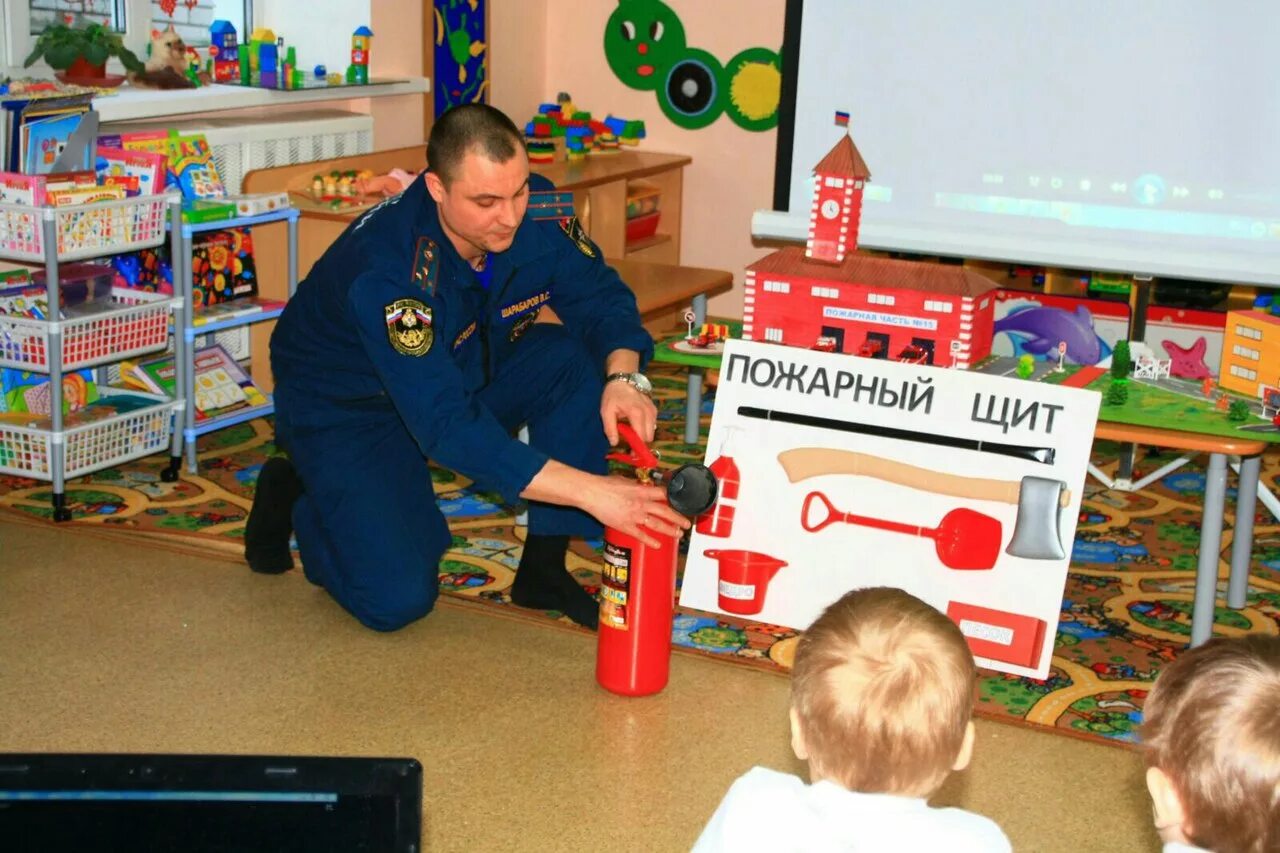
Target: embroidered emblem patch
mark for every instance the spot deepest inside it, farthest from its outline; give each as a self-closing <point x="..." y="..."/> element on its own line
<point x="426" y="264"/>
<point x="573" y="228"/>
<point x="409" y="326"/>
<point x="521" y="326"/>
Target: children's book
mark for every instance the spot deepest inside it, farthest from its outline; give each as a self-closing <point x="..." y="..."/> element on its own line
<point x="44" y="139"/>
<point x="153" y="375"/>
<point x="222" y="267"/>
<point x="146" y="167"/>
<point x="24" y="391"/>
<point x="221" y="311"/>
<point x="193" y="169"/>
<point x="221" y="386"/>
<point x="16" y="188"/>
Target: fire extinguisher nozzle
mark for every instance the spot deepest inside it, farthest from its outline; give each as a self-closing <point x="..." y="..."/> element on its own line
<point x="692" y="489"/>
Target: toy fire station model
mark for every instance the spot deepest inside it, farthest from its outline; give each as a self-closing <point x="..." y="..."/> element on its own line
<point x="829" y="298"/>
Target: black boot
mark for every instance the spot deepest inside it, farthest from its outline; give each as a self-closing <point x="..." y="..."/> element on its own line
<point x="270" y="524"/>
<point x="543" y="583"/>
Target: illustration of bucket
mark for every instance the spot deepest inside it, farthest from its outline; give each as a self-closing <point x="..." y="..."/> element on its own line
<point x="744" y="579"/>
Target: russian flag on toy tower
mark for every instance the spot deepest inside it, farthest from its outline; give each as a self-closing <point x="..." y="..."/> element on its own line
<point x="842" y="119"/>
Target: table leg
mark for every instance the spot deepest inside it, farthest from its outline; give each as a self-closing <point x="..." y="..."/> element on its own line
<point x="693" y="404"/>
<point x="1242" y="544"/>
<point x="1215" y="490"/>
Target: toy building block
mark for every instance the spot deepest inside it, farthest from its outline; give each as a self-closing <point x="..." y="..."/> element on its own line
<point x="226" y="53"/>
<point x="1250" y="351"/>
<point x="361" y="42"/>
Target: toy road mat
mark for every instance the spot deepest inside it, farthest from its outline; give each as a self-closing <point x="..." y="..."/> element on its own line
<point x="1125" y="613"/>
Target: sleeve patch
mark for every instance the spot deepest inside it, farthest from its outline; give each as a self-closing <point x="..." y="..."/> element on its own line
<point x="409" y="327"/>
<point x="574" y="230"/>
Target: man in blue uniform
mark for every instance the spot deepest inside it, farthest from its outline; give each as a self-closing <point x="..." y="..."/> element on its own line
<point x="437" y="324"/>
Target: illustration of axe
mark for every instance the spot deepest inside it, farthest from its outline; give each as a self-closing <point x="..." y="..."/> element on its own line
<point x="1037" y="533"/>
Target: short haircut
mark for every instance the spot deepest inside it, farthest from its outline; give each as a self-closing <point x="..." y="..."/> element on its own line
<point x="471" y="127"/>
<point x="1212" y="724"/>
<point x="883" y="687"/>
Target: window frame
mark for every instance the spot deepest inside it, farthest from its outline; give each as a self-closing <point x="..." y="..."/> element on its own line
<point x="16" y="41"/>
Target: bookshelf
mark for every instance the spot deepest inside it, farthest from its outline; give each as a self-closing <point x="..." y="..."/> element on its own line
<point x="190" y="322"/>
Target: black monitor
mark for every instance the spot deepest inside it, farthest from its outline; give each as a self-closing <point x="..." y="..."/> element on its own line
<point x="209" y="803"/>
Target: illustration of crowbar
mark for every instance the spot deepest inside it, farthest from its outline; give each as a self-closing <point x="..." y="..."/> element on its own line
<point x="1037" y="532"/>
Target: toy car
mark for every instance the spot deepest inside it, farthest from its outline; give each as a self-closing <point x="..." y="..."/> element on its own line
<point x="871" y="349"/>
<point x="912" y="354"/>
<point x="825" y="343"/>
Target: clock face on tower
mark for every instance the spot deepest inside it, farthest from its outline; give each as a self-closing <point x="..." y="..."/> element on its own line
<point x="830" y="208"/>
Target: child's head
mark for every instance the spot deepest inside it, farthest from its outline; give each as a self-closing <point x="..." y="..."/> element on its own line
<point x="1212" y="735"/>
<point x="882" y="694"/>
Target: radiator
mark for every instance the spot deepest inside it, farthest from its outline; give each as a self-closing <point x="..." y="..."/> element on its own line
<point x="241" y="144"/>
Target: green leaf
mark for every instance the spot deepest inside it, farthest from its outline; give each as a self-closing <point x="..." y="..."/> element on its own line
<point x="60" y="56"/>
<point x="35" y="54"/>
<point x="96" y="54"/>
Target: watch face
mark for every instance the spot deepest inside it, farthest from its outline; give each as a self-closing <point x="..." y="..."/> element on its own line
<point x="830" y="208"/>
<point x="642" y="382"/>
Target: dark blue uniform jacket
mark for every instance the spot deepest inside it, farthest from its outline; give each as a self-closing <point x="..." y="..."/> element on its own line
<point x="333" y="355"/>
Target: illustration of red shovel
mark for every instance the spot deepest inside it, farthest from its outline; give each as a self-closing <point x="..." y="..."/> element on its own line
<point x="965" y="539"/>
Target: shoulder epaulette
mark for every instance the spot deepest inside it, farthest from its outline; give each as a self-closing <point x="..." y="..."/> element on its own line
<point x="550" y="204"/>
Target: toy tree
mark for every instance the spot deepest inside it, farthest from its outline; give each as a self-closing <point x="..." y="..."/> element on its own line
<point x="1121" y="362"/>
<point x="1117" y="393"/>
<point x="1238" y="411"/>
<point x="1026" y="366"/>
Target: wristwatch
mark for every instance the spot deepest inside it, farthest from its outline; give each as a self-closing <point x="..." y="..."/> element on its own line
<point x="638" y="381"/>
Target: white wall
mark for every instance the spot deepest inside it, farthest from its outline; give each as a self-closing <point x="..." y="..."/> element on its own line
<point x="319" y="29"/>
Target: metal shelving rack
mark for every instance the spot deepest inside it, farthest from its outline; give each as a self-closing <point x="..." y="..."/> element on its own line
<point x="138" y="323"/>
<point x="185" y="333"/>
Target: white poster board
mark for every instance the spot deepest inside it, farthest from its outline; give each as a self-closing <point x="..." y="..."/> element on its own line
<point x="992" y="464"/>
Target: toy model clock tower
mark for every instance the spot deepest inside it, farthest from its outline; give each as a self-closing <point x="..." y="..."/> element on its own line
<point x="837" y="203"/>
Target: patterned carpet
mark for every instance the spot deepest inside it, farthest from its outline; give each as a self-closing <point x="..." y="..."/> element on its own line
<point x="1126" y="608"/>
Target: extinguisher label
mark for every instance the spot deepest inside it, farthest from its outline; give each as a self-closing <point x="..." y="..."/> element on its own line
<point x="738" y="591"/>
<point x="615" y="587"/>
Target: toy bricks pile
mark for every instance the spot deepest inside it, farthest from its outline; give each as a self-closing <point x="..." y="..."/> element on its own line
<point x="559" y="124"/>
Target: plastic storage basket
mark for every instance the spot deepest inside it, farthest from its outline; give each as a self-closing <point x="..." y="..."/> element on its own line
<point x="28" y="450"/>
<point x="137" y="323"/>
<point x="84" y="230"/>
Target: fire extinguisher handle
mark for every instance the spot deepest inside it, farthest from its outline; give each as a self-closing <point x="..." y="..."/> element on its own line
<point x="641" y="456"/>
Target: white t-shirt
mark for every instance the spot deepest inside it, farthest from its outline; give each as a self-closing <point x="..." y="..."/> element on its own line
<point x="770" y="811"/>
<point x="1181" y="847"/>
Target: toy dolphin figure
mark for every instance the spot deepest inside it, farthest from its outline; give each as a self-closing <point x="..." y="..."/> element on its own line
<point x="1042" y="329"/>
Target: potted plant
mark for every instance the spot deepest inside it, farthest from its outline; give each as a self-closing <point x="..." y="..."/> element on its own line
<point x="81" y="52"/>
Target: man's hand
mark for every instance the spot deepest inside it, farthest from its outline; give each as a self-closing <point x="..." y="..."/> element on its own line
<point x="622" y="401"/>
<point x="633" y="509"/>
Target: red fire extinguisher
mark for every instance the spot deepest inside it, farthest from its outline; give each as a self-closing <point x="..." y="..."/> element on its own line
<point x="637" y="592"/>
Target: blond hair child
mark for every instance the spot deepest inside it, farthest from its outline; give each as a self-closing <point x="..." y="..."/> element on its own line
<point x="881" y="701"/>
<point x="1212" y="738"/>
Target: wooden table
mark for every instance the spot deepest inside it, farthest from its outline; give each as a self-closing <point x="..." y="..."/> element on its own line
<point x="1215" y="494"/>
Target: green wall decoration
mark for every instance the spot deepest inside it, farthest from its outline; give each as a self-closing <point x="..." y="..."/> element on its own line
<point x="644" y="43"/>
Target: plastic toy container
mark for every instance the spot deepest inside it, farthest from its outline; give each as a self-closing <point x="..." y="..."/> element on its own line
<point x="131" y="323"/>
<point x="643" y="227"/>
<point x="28" y="450"/>
<point x="642" y="199"/>
<point x="84" y="230"/>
